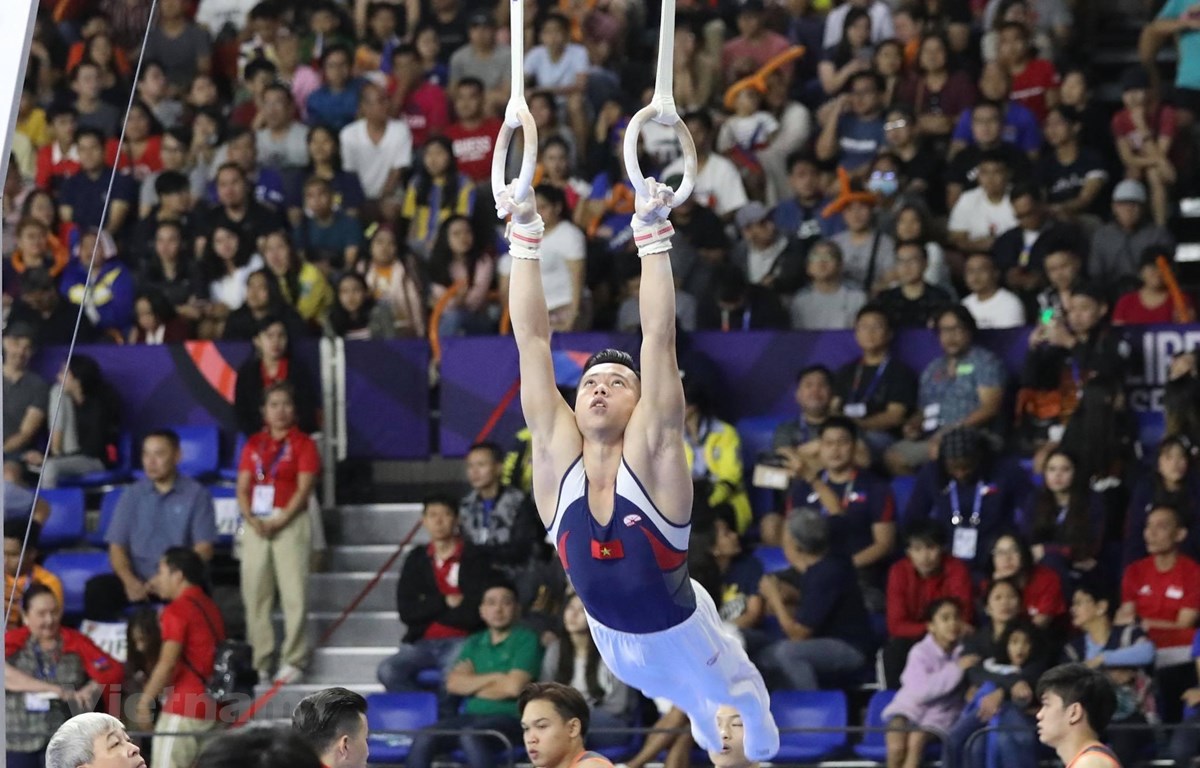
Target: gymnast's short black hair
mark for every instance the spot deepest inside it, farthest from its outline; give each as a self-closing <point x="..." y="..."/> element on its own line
<point x="617" y="356"/>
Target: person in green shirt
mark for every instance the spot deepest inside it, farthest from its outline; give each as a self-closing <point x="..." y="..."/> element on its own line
<point x="493" y="668"/>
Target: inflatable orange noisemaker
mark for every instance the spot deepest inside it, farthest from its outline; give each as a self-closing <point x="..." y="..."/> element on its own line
<point x="847" y="195"/>
<point x="758" y="81"/>
<point x="1183" y="313"/>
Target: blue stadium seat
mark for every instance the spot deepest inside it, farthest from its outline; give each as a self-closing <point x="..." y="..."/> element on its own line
<point x="430" y="678"/>
<point x="200" y="449"/>
<point x="108" y="507"/>
<point x="119" y="473"/>
<point x="772" y="558"/>
<point x="809" y="709"/>
<point x="67" y="522"/>
<point x="74" y="569"/>
<point x="874" y="743"/>
<point x="756" y="434"/>
<point x="230" y="470"/>
<point x="1151" y="426"/>
<point x="902" y="490"/>
<point x="397" y="712"/>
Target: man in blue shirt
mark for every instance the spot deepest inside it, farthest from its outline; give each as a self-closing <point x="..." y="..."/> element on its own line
<point x="82" y="195"/>
<point x="335" y="104"/>
<point x="856" y="136"/>
<point x="164" y="510"/>
<point x="828" y="637"/>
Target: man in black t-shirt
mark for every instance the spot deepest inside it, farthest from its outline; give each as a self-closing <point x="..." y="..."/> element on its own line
<point x="914" y="302"/>
<point x="876" y="392"/>
<point x="1072" y="177"/>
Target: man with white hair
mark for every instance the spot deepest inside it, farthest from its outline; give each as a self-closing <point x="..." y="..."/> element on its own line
<point x="93" y="740"/>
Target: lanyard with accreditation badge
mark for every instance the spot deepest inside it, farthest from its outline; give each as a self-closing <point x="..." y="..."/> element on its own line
<point x="966" y="538"/>
<point x="857" y="408"/>
<point x="262" y="501"/>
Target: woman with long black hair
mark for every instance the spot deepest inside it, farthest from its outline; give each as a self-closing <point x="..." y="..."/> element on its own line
<point x="437" y="192"/>
<point x="355" y="314"/>
<point x="1064" y="519"/>
<point x="459" y="259"/>
<point x="575" y="661"/>
<point x="1173" y="482"/>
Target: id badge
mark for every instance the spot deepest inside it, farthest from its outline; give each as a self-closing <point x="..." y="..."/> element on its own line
<point x="966" y="540"/>
<point x="932" y="419"/>
<point x="854" y="410"/>
<point x="262" y="502"/>
<point x="1055" y="433"/>
<point x="38" y="702"/>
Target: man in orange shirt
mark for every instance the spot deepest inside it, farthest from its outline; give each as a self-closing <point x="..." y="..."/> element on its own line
<point x="30" y="572"/>
<point x="554" y="718"/>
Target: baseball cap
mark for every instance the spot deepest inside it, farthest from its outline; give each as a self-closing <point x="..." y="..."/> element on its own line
<point x="20" y="330"/>
<point x="750" y="213"/>
<point x="1129" y="191"/>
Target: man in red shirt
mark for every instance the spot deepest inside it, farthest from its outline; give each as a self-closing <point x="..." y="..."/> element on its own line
<point x="925" y="574"/>
<point x="1034" y="81"/>
<point x="441" y="585"/>
<point x="191" y="630"/>
<point x="58" y="159"/>
<point x="417" y="101"/>
<point x="473" y="135"/>
<point x="1162" y="593"/>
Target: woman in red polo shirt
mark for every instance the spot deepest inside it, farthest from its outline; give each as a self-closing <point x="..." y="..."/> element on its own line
<point x="277" y="474"/>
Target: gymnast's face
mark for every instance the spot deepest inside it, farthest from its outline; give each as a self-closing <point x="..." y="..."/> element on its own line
<point x="606" y="397"/>
<point x="733" y="750"/>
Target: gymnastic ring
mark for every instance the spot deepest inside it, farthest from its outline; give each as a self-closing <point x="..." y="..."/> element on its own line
<point x="518" y="114"/>
<point x="663" y="112"/>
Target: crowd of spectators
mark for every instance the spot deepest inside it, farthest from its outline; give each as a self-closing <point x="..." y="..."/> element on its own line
<point x="268" y="172"/>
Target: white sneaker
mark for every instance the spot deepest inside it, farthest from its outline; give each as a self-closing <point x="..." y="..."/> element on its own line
<point x="289" y="675"/>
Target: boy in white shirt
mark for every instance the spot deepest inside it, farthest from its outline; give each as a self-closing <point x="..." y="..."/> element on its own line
<point x="991" y="305"/>
<point x="983" y="213"/>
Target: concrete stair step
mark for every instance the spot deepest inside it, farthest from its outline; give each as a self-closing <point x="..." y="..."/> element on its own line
<point x="346" y="666"/>
<point x="377" y="628"/>
<point x="332" y="592"/>
<point x="280" y="707"/>
<point x="378" y="524"/>
<point x="359" y="557"/>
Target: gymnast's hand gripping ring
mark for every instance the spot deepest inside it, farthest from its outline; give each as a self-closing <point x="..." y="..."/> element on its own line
<point x="516" y="115"/>
<point x="661" y="110"/>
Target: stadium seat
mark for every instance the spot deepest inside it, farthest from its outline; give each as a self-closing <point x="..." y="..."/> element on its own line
<point x="430" y="678"/>
<point x="397" y="712"/>
<point x="119" y="473"/>
<point x="772" y="558"/>
<point x="199" y="449"/>
<point x="809" y="709"/>
<point x="874" y="743"/>
<point x="74" y="569"/>
<point x="756" y="434"/>
<point x="108" y="507"/>
<point x="67" y="524"/>
<point x="230" y="470"/>
<point x="1151" y="426"/>
<point x="902" y="490"/>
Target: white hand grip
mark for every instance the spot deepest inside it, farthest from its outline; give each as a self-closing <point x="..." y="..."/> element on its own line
<point x="662" y="111"/>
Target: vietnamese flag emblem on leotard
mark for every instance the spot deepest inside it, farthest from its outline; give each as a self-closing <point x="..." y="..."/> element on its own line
<point x="607" y="550"/>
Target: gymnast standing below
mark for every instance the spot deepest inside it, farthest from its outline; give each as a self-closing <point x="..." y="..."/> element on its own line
<point x="613" y="488"/>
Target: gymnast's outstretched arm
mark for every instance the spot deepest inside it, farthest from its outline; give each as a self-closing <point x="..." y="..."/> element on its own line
<point x="654" y="443"/>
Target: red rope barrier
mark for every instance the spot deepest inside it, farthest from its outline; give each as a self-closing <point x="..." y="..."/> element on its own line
<point x="498" y="411"/>
<point x="263" y="700"/>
